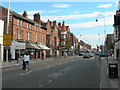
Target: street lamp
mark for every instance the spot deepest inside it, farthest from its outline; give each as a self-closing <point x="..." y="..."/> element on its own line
<point x="105" y="51"/>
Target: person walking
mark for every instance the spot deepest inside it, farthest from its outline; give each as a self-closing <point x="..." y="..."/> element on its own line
<point x="26" y="60"/>
<point x="42" y="55"/>
<point x="17" y="56"/>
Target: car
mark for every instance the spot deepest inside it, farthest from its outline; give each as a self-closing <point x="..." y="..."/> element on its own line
<point x="103" y="54"/>
<point x="86" y="55"/>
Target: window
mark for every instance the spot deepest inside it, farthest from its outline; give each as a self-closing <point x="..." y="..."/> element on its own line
<point x="28" y="36"/>
<point x="30" y="26"/>
<point x="42" y="39"/>
<point x="19" y="34"/>
<point x="35" y="28"/>
<point x="36" y="38"/>
<point x="63" y="36"/>
<point x="27" y="25"/>
<point x="63" y="43"/>
<point x="18" y="22"/>
<point x="42" y="30"/>
<point x="116" y="32"/>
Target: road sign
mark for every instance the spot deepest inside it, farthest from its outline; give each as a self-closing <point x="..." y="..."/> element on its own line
<point x="6" y="42"/>
<point x="7" y="36"/>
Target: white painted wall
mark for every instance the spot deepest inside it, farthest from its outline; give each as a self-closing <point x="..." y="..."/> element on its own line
<point x="1" y="39"/>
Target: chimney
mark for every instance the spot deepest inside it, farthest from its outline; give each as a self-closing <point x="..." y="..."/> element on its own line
<point x="59" y="24"/>
<point x="63" y="27"/>
<point x="37" y="17"/>
<point x="25" y="14"/>
<point x="54" y="23"/>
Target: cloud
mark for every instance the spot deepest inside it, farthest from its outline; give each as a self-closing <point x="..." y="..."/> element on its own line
<point x="76" y="11"/>
<point x="92" y="39"/>
<point x="61" y="5"/>
<point x="104" y="6"/>
<point x="108" y="21"/>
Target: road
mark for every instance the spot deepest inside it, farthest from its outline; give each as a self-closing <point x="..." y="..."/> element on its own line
<point x="69" y="73"/>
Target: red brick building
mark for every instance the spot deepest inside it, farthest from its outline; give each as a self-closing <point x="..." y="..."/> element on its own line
<point x="26" y="34"/>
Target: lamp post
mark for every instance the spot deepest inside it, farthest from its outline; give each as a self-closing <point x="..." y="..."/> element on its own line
<point x="105" y="51"/>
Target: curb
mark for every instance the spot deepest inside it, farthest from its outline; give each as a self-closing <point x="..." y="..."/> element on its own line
<point x="33" y="62"/>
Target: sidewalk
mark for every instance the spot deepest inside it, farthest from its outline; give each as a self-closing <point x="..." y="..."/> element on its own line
<point x="105" y="81"/>
<point x="14" y="63"/>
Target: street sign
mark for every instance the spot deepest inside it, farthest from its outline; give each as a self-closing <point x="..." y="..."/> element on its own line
<point x="7" y="36"/>
<point x="7" y="40"/>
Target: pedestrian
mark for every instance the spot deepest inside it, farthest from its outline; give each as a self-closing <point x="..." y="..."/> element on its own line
<point x="26" y="60"/>
<point x="9" y="56"/>
<point x="42" y="55"/>
<point x="17" y="56"/>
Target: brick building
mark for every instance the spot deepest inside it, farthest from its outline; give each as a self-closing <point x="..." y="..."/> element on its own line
<point x="26" y="34"/>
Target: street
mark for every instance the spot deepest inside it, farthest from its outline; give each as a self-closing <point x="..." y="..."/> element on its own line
<point x="69" y="73"/>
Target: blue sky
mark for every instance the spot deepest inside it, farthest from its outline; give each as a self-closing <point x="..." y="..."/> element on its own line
<point x="80" y="16"/>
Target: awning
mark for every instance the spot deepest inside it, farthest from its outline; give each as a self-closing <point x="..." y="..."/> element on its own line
<point x="32" y="46"/>
<point x="18" y="45"/>
<point x="117" y="45"/>
<point x="43" y="47"/>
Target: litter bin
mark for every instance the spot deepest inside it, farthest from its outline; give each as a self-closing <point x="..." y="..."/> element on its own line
<point x="113" y="70"/>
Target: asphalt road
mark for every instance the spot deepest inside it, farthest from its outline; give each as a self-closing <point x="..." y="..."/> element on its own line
<point x="70" y="73"/>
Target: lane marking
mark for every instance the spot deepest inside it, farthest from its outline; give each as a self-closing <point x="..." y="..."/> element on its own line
<point x="21" y="74"/>
<point x="41" y="86"/>
<point x="50" y="81"/>
<point x="59" y="63"/>
<point x="28" y="72"/>
<point x="48" y="67"/>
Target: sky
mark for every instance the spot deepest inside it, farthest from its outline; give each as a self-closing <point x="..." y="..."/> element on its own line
<point x="79" y="16"/>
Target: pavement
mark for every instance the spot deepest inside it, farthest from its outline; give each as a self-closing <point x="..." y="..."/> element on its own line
<point x="105" y="81"/>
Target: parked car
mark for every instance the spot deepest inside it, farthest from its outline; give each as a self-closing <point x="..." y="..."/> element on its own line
<point x="91" y="54"/>
<point x="86" y="55"/>
<point x="103" y="54"/>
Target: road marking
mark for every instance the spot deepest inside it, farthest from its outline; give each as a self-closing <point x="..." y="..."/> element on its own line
<point x="48" y="67"/>
<point x="59" y="63"/>
<point x="28" y="72"/>
<point x="41" y="86"/>
<point x="50" y="81"/>
<point x="21" y="74"/>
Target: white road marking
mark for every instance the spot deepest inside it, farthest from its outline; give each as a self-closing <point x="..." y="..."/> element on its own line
<point x="59" y="63"/>
<point x="41" y="86"/>
<point x="50" y="81"/>
<point x="28" y="72"/>
<point x="48" y="67"/>
<point x="21" y="74"/>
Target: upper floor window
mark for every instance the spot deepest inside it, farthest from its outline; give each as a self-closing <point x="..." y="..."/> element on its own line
<point x="21" y="22"/>
<point x="35" y="28"/>
<point x="27" y="25"/>
<point x="18" y="22"/>
<point x="28" y="36"/>
<point x="63" y="36"/>
<point x="19" y="34"/>
<point x="30" y="26"/>
<point x="36" y="38"/>
<point x="42" y="30"/>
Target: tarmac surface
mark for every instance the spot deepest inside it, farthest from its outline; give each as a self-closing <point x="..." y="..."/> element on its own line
<point x="105" y="81"/>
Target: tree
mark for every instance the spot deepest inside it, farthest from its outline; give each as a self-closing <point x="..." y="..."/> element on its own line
<point x="68" y="44"/>
<point x="78" y="48"/>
